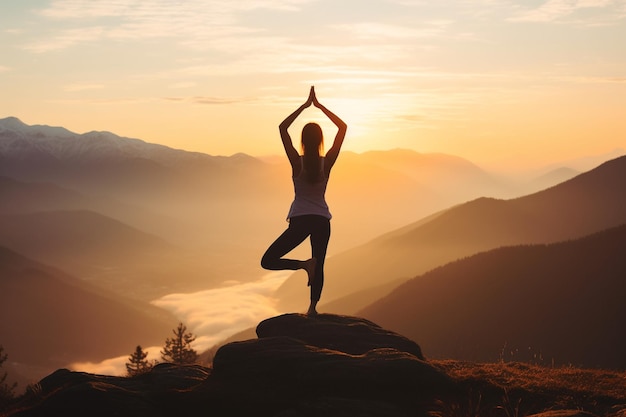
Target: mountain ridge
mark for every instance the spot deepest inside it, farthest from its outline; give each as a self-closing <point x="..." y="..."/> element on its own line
<point x="104" y="250"/>
<point x="71" y="145"/>
<point x="555" y="304"/>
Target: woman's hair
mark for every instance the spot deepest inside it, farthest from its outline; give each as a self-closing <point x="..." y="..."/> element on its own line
<point x="312" y="148"/>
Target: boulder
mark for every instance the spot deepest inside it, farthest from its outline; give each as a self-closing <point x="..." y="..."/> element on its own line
<point x="300" y="363"/>
<point x="155" y="393"/>
<point x="353" y="335"/>
<point x="285" y="360"/>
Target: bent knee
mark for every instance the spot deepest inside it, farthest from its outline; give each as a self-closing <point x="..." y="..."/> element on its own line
<point x="266" y="262"/>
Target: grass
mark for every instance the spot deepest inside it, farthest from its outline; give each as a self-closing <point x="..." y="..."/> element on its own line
<point x="514" y="389"/>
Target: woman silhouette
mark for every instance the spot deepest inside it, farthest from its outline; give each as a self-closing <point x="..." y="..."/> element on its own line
<point x="309" y="214"/>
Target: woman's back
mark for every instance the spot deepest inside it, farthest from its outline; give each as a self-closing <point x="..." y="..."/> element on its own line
<point x="310" y="195"/>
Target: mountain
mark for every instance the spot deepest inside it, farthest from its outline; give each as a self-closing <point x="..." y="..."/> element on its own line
<point x="104" y="251"/>
<point x="22" y="197"/>
<point x="553" y="304"/>
<point x="441" y="172"/>
<point x="229" y="209"/>
<point x="24" y="142"/>
<point x="49" y="319"/>
<point x="19" y="197"/>
<point x="103" y="163"/>
<point x="553" y="177"/>
<point x="588" y="203"/>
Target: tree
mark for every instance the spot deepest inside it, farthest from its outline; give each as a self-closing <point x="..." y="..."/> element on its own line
<point x="178" y="349"/>
<point x="137" y="363"/>
<point x="6" y="389"/>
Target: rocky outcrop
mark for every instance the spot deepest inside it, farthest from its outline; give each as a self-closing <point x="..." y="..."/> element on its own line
<point x="331" y="356"/>
<point x="327" y="365"/>
<point x="162" y="391"/>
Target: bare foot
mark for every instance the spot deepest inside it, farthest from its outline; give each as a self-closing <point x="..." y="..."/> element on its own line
<point x="309" y="267"/>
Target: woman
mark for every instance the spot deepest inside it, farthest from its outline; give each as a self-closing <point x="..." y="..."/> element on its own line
<point x="309" y="214"/>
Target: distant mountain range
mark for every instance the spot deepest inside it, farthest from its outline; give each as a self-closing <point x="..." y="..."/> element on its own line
<point x="588" y="203"/>
<point x="224" y="210"/>
<point x="559" y="304"/>
<point x="57" y="144"/>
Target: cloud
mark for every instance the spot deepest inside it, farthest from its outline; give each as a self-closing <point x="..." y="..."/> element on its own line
<point x="383" y="31"/>
<point x="207" y="100"/>
<point x="114" y="366"/>
<point x="144" y="9"/>
<point x="214" y="315"/>
<point x="66" y="39"/>
<point x="560" y="10"/>
<point x="83" y="87"/>
<point x="192" y="23"/>
<point x="183" y="84"/>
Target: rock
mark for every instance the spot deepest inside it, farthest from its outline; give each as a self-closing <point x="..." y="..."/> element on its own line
<point x="285" y="360"/>
<point x="319" y="360"/>
<point x="70" y="393"/>
<point x="347" y="334"/>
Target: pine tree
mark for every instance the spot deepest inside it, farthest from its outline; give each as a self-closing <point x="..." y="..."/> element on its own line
<point x="178" y="349"/>
<point x="6" y="389"/>
<point x="137" y="363"/>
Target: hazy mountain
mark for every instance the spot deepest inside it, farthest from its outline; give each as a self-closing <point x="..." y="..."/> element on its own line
<point x="553" y="177"/>
<point x="442" y="172"/>
<point x="102" y="250"/>
<point x="21" y="141"/>
<point x="20" y="197"/>
<point x="590" y="202"/>
<point x="228" y="208"/>
<point x="585" y="163"/>
<point x="49" y="319"/>
<point x="561" y="302"/>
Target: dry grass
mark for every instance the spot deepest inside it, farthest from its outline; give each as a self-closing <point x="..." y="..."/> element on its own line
<point x="514" y="389"/>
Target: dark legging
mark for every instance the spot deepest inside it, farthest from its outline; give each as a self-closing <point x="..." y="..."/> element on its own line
<point x="301" y="227"/>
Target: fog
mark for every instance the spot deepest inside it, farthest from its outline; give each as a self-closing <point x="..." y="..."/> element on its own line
<point x="212" y="316"/>
<point x="216" y="314"/>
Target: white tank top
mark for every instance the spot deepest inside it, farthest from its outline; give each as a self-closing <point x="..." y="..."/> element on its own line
<point x="309" y="197"/>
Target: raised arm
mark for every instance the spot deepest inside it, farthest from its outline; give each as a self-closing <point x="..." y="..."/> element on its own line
<point x="333" y="152"/>
<point x="290" y="150"/>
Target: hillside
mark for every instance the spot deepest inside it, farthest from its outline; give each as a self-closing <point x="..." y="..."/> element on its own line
<point x="588" y="203"/>
<point x="103" y="251"/>
<point x="21" y="197"/>
<point x="552" y="304"/>
<point x="49" y="318"/>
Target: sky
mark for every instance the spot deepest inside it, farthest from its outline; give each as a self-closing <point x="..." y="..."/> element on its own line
<point x="499" y="82"/>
